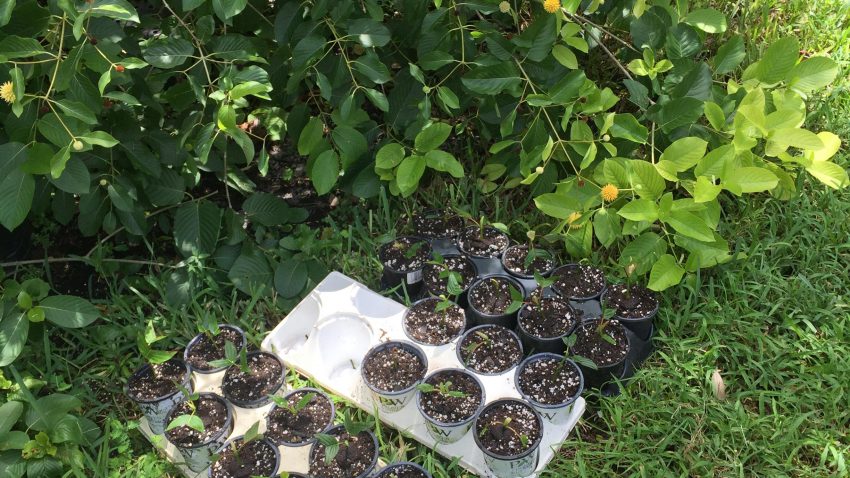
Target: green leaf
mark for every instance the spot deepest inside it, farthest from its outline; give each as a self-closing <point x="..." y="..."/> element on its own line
<point x="168" y="53"/>
<point x="192" y="421"/>
<point x="557" y="205"/>
<point x="226" y="9"/>
<point x="778" y="61"/>
<point x="6" y="8"/>
<point x="715" y="115"/>
<point x="196" y="227"/>
<point x="626" y="126"/>
<point x="226" y="118"/>
<point x="705" y="190"/>
<point x="267" y="209"/>
<point x="797" y="138"/>
<point x="680" y="156"/>
<point x="59" y="162"/>
<point x="378" y="98"/>
<point x="565" y="56"/>
<point x="689" y="224"/>
<point x="830" y="174"/>
<point x="13" y="47"/>
<point x="75" y="178"/>
<point x="492" y="79"/>
<point x="409" y="173"/>
<point x="253" y="88"/>
<point x="99" y="138"/>
<point x="10" y="412"/>
<point x="443" y="161"/>
<point x="115" y="9"/>
<point x="729" y="55"/>
<point x="325" y="172"/>
<point x="350" y="143"/>
<point x="17" y="189"/>
<point x="432" y="136"/>
<point x="290" y="278"/>
<point x="645" y="179"/>
<point x="448" y="97"/>
<point x="251" y="273"/>
<point x="69" y="311"/>
<point x="665" y="273"/>
<point x="708" y="20"/>
<point x="643" y="251"/>
<point x="78" y="110"/>
<point x="389" y="156"/>
<point x="368" y="32"/>
<point x="311" y="136"/>
<point x="813" y="74"/>
<point x="639" y="210"/>
<point x="370" y="66"/>
<point x="14" y="328"/>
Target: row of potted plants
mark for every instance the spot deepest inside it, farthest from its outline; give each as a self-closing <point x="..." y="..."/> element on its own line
<point x="452" y="401"/>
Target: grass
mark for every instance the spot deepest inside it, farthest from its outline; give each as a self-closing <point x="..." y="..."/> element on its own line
<point x="774" y="326"/>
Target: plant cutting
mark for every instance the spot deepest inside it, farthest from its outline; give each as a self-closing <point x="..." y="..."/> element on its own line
<point x="449" y="275"/>
<point x="156" y="385"/>
<point x="403" y="259"/>
<point x="543" y="322"/>
<point x="434" y="321"/>
<point x="495" y="300"/>
<point x="578" y="282"/>
<point x="251" y="378"/>
<point x="633" y="304"/>
<point x="349" y="450"/>
<point x="298" y="416"/>
<point x="526" y="260"/>
<point x="404" y="469"/>
<point x="247" y="456"/>
<point x="509" y="431"/>
<point x="437" y="224"/>
<point x="209" y="346"/>
<point x="489" y="349"/>
<point x="392" y="370"/>
<point x="605" y="343"/>
<point x="198" y="427"/>
<point x="482" y="241"/>
<point x="550" y="383"/>
<point x="449" y="400"/>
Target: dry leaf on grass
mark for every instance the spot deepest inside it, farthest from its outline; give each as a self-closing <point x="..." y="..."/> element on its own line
<point x="718" y="386"/>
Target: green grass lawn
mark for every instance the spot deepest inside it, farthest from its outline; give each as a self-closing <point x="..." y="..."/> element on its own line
<point x="775" y="326"/>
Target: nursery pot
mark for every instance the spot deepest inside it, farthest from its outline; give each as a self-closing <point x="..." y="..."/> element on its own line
<point x="570" y="295"/>
<point x="462" y="297"/>
<point x="393" y="401"/>
<point x="311" y="439"/>
<point x="267" y="445"/>
<point x="463" y="247"/>
<point x="544" y="273"/>
<point x="314" y="450"/>
<point x="640" y="326"/>
<point x="199" y="455"/>
<point x="552" y="412"/>
<point x="553" y="345"/>
<point x="485" y="328"/>
<point x="156" y="409"/>
<point x="402" y="466"/>
<point x="444" y="432"/>
<point x="198" y="338"/>
<point x="477" y="317"/>
<point x="595" y="378"/>
<point x="410" y="336"/>
<point x="391" y="277"/>
<point x="511" y="466"/>
<point x="264" y="398"/>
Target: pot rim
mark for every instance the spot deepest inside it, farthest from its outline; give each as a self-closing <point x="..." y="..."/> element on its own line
<point x="397" y="464"/>
<point x="302" y="390"/>
<point x="410" y="347"/>
<point x="578" y="299"/>
<point x="541" y="356"/>
<point x="419" y="342"/>
<point x="226" y="429"/>
<point x="531" y="449"/>
<point x="187" y="380"/>
<point x="462" y="422"/>
<point x="477" y="327"/>
<point x="195" y="340"/>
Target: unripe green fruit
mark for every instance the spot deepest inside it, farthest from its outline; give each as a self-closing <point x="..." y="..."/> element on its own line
<point x="78" y="145"/>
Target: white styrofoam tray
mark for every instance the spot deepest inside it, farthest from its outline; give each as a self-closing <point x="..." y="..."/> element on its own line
<point x="327" y="335"/>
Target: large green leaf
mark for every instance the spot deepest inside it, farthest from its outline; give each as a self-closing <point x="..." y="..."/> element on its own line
<point x="368" y="32"/>
<point x="443" y="161"/>
<point x="689" y="224"/>
<point x="115" y="9"/>
<point x="13" y="47"/>
<point x="830" y="174"/>
<point x="389" y="156"/>
<point x="778" y="60"/>
<point x="168" y="53"/>
<point x="708" y="20"/>
<point x="645" y="179"/>
<point x="409" y="173"/>
<point x="267" y="209"/>
<point x="665" y="273"/>
<point x="10" y="412"/>
<point x="69" y="311"/>
<point x="6" y="8"/>
<point x="196" y="227"/>
<point x="680" y="156"/>
<point x="251" y="273"/>
<point x="290" y="277"/>
<point x="16" y="194"/>
<point x="729" y="55"/>
<point x="492" y="79"/>
<point x="432" y="136"/>
<point x="14" y="328"/>
<point x="75" y="178"/>
<point x="325" y="172"/>
<point x="813" y="74"/>
<point x="226" y="9"/>
<point x="311" y="136"/>
<point x="557" y="205"/>
<point x="639" y="210"/>
<point x="626" y="126"/>
<point x="643" y="251"/>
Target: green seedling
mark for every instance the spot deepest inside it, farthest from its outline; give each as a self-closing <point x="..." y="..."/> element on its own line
<point x="338" y="449"/>
<point x="253" y="434"/>
<point x="294" y="409"/>
<point x="607" y="314"/>
<point x="569" y="342"/>
<point x="517" y="300"/>
<point x="233" y="357"/>
<point x="145" y="340"/>
<point x="190" y="420"/>
<point x="500" y="429"/>
<point x="443" y="388"/>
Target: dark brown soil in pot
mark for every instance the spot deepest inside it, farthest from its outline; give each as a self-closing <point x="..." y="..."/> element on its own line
<point x="157" y="380"/>
<point x="490" y="349"/>
<point x="516" y="261"/>
<point x="492" y="296"/>
<point x="405" y="254"/>
<point x="436" y="278"/>
<point x="550" y="381"/>
<point x="508" y="428"/>
<point x="462" y="401"/>
<point x="357" y="455"/>
<point x="291" y="425"/>
<point x="245" y="460"/>
<point x="487" y="242"/>
<point x="207" y="348"/>
<point x="591" y="345"/>
<point x="578" y="282"/>
<point x="548" y="317"/>
<point x="635" y="302"/>
<point x="437" y="224"/>
<point x="265" y="377"/>
<point x="213" y="413"/>
<point x="393" y="369"/>
<point x="427" y="325"/>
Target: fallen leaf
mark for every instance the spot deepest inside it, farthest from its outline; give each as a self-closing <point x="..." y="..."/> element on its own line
<point x="718" y="386"/>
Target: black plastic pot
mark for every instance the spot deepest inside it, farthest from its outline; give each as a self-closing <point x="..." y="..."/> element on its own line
<point x="198" y="456"/>
<point x="418" y="342"/>
<point x="596" y="378"/>
<point x="260" y="401"/>
<point x="640" y="326"/>
<point x="558" y="412"/>
<point x="484" y="328"/>
<point x="198" y="337"/>
<point x="525" y="276"/>
<point x="403" y="464"/>
<point x="553" y="345"/>
<point x="391" y="402"/>
<point x="444" y="432"/>
<point x="156" y="409"/>
<point x="495" y="255"/>
<point x="477" y="317"/>
<point x="312" y="439"/>
<point x="514" y="466"/>
<point x="570" y="296"/>
<point x="266" y="441"/>
<point x="436" y="213"/>
<point x="410" y="281"/>
<point x="338" y="429"/>
<point x="639" y="351"/>
<point x="462" y="297"/>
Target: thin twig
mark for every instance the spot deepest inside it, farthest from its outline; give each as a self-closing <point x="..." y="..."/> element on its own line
<point x="54" y="260"/>
<point x="582" y="19"/>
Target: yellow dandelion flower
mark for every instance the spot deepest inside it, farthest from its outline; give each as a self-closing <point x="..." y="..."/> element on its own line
<point x="7" y="92"/>
<point x="552" y="6"/>
<point x="609" y="192"/>
<point x="504" y="7"/>
<point x="571" y="220"/>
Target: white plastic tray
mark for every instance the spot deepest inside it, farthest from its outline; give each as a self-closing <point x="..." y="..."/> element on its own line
<point x="325" y="338"/>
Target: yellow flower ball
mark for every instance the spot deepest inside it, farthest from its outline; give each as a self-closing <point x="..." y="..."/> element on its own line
<point x="7" y="92"/>
<point x="552" y="6"/>
<point x="609" y="192"/>
<point x="504" y="7"/>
